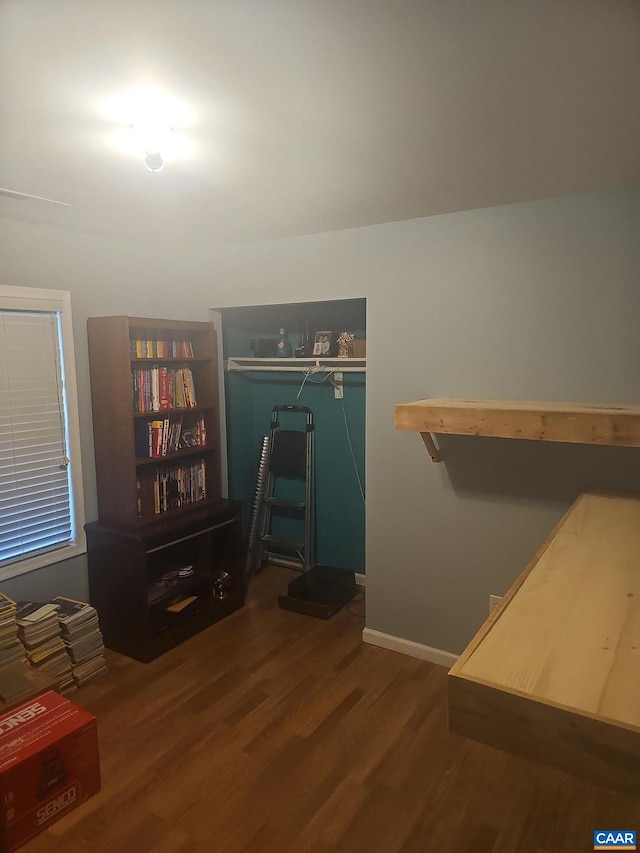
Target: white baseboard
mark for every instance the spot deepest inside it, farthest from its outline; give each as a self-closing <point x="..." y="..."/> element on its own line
<point x="361" y="580"/>
<point x="408" y="647"/>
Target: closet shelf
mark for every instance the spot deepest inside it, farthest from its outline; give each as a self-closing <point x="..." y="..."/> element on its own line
<point x="578" y="423"/>
<point x="297" y="365"/>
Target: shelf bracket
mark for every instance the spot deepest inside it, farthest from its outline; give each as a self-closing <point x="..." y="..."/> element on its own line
<point x="431" y="446"/>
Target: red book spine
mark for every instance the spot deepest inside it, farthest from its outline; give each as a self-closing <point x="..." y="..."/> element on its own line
<point x="156" y="443"/>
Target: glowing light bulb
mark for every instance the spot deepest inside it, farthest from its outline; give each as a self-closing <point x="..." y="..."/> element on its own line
<point x="151" y="138"/>
<point x="153" y="161"/>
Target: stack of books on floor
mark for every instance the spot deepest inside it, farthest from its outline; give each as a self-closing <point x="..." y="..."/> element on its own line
<point x="82" y="638"/>
<point x="39" y="631"/>
<point x="11" y="649"/>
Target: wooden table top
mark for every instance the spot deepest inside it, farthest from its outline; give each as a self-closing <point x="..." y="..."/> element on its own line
<point x="566" y="637"/>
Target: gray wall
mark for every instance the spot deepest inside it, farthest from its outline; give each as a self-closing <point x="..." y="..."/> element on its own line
<point x="104" y="278"/>
<point x="537" y="301"/>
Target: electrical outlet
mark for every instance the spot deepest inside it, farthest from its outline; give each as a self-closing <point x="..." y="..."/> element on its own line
<point x="494" y="601"/>
<point x="338" y="384"/>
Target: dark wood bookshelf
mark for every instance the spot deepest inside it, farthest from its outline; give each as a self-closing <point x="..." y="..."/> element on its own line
<point x="126" y="564"/>
<point x="171" y="500"/>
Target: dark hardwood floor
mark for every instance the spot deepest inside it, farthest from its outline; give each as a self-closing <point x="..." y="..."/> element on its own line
<point x="273" y="731"/>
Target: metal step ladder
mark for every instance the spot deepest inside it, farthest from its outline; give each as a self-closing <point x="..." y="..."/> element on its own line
<point x="290" y="457"/>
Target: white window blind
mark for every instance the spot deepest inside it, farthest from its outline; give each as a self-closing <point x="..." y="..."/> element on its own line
<point x="36" y="486"/>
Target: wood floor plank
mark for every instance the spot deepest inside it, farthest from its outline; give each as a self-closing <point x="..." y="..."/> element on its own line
<point x="273" y="732"/>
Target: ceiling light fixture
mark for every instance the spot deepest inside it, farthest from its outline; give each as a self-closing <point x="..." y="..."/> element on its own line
<point x="151" y="139"/>
<point x="150" y="124"/>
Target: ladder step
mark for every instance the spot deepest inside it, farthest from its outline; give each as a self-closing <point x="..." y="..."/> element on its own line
<point x="284" y="503"/>
<point x="278" y="542"/>
<point x="281" y="560"/>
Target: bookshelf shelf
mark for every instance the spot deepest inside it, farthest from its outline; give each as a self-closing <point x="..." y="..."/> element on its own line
<point x="175" y="361"/>
<point x="169" y="501"/>
<point x="162" y="413"/>
<point x="177" y="454"/>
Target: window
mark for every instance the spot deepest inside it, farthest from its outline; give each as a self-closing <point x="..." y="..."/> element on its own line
<point x="41" y="501"/>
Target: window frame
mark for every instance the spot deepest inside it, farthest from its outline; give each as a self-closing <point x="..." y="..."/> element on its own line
<point x="28" y="299"/>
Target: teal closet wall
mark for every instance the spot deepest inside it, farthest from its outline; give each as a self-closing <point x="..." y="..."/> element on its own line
<point x="250" y="398"/>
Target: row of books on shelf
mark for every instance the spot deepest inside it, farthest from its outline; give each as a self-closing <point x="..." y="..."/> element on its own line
<point x="160" y="348"/>
<point x="158" y="438"/>
<point x="61" y="638"/>
<point x="158" y="388"/>
<point x="175" y="486"/>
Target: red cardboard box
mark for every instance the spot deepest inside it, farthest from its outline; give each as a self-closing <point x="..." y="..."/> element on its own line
<point x="49" y="764"/>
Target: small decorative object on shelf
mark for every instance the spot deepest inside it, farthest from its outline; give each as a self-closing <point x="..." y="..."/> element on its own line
<point x="323" y="344"/>
<point x="344" y="339"/>
<point x="350" y="346"/>
<point x="263" y="347"/>
<point x="176" y="574"/>
<point x="308" y="342"/>
<point x="222" y="583"/>
<point x="358" y="348"/>
<point x="283" y="346"/>
<point x="300" y="351"/>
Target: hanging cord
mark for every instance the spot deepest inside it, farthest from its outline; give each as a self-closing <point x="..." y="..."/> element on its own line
<point x="310" y="372"/>
<point x="55" y="336"/>
<point x="5" y="341"/>
<point x="353" y="455"/>
<point x="307" y="376"/>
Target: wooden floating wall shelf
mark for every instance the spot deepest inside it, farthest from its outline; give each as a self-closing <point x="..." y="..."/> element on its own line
<point x="578" y="423"/>
<point x="553" y="672"/>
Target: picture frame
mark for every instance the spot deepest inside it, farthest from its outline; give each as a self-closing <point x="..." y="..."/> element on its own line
<point x="323" y="344"/>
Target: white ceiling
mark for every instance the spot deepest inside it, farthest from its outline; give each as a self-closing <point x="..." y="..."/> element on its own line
<point x="313" y="115"/>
